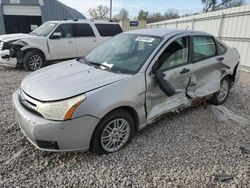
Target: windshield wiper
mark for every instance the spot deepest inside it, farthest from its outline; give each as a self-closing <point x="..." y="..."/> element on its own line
<point x="99" y="65"/>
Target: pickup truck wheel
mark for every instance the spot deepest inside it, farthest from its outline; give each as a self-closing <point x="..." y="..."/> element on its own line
<point x="112" y="133"/>
<point x="221" y="96"/>
<point x="33" y="61"/>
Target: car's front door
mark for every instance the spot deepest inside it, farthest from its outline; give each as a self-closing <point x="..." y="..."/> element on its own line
<point x="64" y="46"/>
<point x="174" y="62"/>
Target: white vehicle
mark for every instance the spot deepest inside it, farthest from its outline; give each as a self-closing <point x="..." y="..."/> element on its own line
<point x="54" y="40"/>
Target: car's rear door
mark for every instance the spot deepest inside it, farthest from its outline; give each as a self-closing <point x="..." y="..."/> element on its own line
<point x="174" y="60"/>
<point x="85" y="37"/>
<point x="208" y="67"/>
<point x="65" y="46"/>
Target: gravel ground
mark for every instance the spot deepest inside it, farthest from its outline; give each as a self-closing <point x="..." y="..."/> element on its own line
<point x="189" y="149"/>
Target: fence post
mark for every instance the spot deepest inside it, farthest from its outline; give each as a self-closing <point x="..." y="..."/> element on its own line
<point x="221" y="25"/>
<point x="193" y="24"/>
<point x="176" y="26"/>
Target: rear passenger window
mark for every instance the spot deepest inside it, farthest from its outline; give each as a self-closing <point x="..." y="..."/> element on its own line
<point x="108" y="30"/>
<point x="83" y="30"/>
<point x="204" y="47"/>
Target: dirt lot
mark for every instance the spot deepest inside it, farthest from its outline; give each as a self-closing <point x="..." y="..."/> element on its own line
<point x="189" y="149"/>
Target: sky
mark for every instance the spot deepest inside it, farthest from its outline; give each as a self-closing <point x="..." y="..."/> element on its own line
<point x="134" y="6"/>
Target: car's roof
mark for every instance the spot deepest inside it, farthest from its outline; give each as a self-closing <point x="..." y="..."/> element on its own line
<point x="164" y="32"/>
<point x="84" y="21"/>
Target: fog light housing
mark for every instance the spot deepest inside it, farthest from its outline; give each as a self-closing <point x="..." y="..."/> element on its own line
<point x="47" y="144"/>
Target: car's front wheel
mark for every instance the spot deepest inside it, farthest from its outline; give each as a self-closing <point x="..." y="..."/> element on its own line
<point x="112" y="133"/>
<point x="33" y="61"/>
<point x="221" y="96"/>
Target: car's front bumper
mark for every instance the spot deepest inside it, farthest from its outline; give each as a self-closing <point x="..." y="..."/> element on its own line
<point x="50" y="135"/>
<point x="6" y="60"/>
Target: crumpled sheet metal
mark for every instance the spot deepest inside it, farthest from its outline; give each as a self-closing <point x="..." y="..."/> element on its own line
<point x="223" y="114"/>
<point x="171" y="104"/>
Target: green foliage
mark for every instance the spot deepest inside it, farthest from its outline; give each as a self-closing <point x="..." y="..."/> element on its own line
<point x="156" y="17"/>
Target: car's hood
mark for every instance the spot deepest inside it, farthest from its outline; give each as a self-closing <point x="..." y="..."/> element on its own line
<point x="12" y="37"/>
<point x="66" y="80"/>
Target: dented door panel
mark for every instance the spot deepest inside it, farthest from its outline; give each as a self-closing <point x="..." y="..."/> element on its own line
<point x="174" y="62"/>
<point x="157" y="102"/>
<point x="205" y="78"/>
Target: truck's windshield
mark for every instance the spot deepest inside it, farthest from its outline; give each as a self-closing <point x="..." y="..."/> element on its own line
<point x="44" y="29"/>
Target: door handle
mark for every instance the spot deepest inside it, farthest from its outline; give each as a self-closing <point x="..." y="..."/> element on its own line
<point x="94" y="40"/>
<point x="220" y="59"/>
<point x="184" y="71"/>
<point x="70" y="42"/>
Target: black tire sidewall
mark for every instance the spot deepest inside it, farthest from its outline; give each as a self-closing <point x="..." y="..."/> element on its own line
<point x="95" y="145"/>
<point x="27" y="57"/>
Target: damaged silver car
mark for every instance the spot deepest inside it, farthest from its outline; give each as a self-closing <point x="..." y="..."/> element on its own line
<point x="100" y="102"/>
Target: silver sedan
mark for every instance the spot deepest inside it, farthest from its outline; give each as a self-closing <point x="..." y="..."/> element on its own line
<point x="101" y="101"/>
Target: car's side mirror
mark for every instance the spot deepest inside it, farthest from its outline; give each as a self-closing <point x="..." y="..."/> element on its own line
<point x="56" y="35"/>
<point x="164" y="85"/>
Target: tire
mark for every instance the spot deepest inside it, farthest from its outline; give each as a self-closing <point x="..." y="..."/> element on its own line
<point x="104" y="141"/>
<point x="33" y="61"/>
<point x="221" y="96"/>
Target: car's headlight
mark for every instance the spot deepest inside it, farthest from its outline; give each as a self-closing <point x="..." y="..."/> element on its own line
<point x="61" y="110"/>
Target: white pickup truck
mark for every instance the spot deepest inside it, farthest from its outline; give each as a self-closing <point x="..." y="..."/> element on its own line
<point x="53" y="41"/>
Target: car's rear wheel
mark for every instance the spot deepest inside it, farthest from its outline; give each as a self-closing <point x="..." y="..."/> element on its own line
<point x="33" y="61"/>
<point x="221" y="96"/>
<point x="112" y="133"/>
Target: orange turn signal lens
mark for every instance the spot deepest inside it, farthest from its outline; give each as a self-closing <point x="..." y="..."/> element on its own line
<point x="70" y="112"/>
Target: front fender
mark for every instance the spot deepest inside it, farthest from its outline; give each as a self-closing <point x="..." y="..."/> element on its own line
<point x="37" y="47"/>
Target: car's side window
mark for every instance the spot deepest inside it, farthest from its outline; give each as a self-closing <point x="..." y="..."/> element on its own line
<point x="108" y="30"/>
<point x="65" y="30"/>
<point x="204" y="47"/>
<point x="176" y="54"/>
<point x="83" y="30"/>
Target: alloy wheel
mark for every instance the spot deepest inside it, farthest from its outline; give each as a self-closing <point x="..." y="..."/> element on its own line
<point x="35" y="62"/>
<point x="115" y="135"/>
<point x="223" y="90"/>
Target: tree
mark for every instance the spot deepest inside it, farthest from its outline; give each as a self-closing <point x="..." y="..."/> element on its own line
<point x="143" y="15"/>
<point x="123" y="14"/>
<point x="99" y="13"/>
<point x="213" y="5"/>
<point x="171" y="14"/>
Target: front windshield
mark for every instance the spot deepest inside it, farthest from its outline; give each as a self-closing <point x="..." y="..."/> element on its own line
<point x="125" y="53"/>
<point x="44" y="29"/>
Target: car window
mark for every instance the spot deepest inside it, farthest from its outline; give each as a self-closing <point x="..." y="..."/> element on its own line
<point x="83" y="30"/>
<point x="107" y="30"/>
<point x="44" y="29"/>
<point x="204" y="47"/>
<point x="65" y="30"/>
<point x="176" y="54"/>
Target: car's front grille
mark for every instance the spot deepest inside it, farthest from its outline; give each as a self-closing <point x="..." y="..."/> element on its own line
<point x="29" y="103"/>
